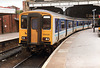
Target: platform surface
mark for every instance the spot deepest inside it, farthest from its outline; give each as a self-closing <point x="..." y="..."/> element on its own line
<point x="80" y="50"/>
<point x="9" y="36"/>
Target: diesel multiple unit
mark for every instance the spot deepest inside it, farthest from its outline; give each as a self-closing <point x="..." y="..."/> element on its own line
<point x="39" y="29"/>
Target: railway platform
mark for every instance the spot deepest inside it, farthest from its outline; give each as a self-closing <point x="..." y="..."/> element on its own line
<point x="9" y="36"/>
<point x="80" y="50"/>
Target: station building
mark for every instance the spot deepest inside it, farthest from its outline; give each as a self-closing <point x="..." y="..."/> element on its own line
<point x="8" y="22"/>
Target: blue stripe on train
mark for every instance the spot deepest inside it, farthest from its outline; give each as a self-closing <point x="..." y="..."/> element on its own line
<point x="62" y="32"/>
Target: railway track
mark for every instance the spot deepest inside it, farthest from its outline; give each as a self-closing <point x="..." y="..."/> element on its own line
<point x="22" y="62"/>
<point x="10" y="52"/>
<point x="32" y="62"/>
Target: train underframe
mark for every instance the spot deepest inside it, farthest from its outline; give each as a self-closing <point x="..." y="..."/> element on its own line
<point x="35" y="49"/>
<point x="99" y="33"/>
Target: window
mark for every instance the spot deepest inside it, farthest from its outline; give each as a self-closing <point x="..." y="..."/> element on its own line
<point x="62" y="25"/>
<point x="86" y="23"/>
<point x="70" y="25"/>
<point x="24" y="22"/>
<point x="34" y="23"/>
<point x="80" y="23"/>
<point x="75" y="23"/>
<point x="90" y="22"/>
<point x="46" y="22"/>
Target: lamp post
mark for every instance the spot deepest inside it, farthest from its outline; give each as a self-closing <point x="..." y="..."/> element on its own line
<point x="93" y="19"/>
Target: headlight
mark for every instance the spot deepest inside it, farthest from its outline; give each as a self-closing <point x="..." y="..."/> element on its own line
<point x="24" y="37"/>
<point x="46" y="39"/>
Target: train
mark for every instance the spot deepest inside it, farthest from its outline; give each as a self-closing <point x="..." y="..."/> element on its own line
<point x="99" y="27"/>
<point x="42" y="29"/>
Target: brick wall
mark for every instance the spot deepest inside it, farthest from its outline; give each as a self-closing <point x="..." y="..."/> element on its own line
<point x="0" y="25"/>
<point x="9" y="24"/>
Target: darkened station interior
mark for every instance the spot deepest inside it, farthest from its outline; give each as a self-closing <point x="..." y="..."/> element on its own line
<point x="82" y="11"/>
<point x="79" y="11"/>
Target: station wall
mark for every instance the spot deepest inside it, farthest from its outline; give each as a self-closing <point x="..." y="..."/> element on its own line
<point x="0" y="25"/>
<point x="8" y="24"/>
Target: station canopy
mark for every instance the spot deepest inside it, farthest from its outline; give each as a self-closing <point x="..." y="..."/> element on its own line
<point x="6" y="11"/>
<point x="64" y="0"/>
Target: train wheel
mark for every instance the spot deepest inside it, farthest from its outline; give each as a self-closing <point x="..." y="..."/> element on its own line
<point x="99" y="35"/>
<point x="33" y="51"/>
<point x="49" y="50"/>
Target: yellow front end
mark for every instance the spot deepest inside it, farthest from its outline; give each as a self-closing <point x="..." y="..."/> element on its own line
<point x="47" y="34"/>
<point x="46" y="38"/>
<point x="99" y="28"/>
<point x="22" y="31"/>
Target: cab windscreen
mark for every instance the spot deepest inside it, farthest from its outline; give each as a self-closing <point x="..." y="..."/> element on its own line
<point x="46" y="22"/>
<point x="24" y="21"/>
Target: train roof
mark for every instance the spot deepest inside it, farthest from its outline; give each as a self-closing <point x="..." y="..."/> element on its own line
<point x="59" y="15"/>
<point x="52" y="13"/>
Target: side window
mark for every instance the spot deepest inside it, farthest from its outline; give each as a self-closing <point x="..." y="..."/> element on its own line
<point x="70" y="24"/>
<point x="86" y="22"/>
<point x="79" y="23"/>
<point x="89" y="22"/>
<point x="75" y="23"/>
<point x="83" y="22"/>
<point x="62" y="24"/>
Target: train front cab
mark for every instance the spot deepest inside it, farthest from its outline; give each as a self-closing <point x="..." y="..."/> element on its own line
<point x="38" y="32"/>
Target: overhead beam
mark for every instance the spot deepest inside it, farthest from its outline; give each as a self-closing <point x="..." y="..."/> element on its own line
<point x="62" y="3"/>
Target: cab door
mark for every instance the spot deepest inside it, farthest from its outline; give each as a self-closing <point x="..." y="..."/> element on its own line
<point x="34" y="31"/>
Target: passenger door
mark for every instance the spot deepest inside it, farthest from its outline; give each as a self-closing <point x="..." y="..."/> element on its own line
<point x="57" y="28"/>
<point x="34" y="31"/>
